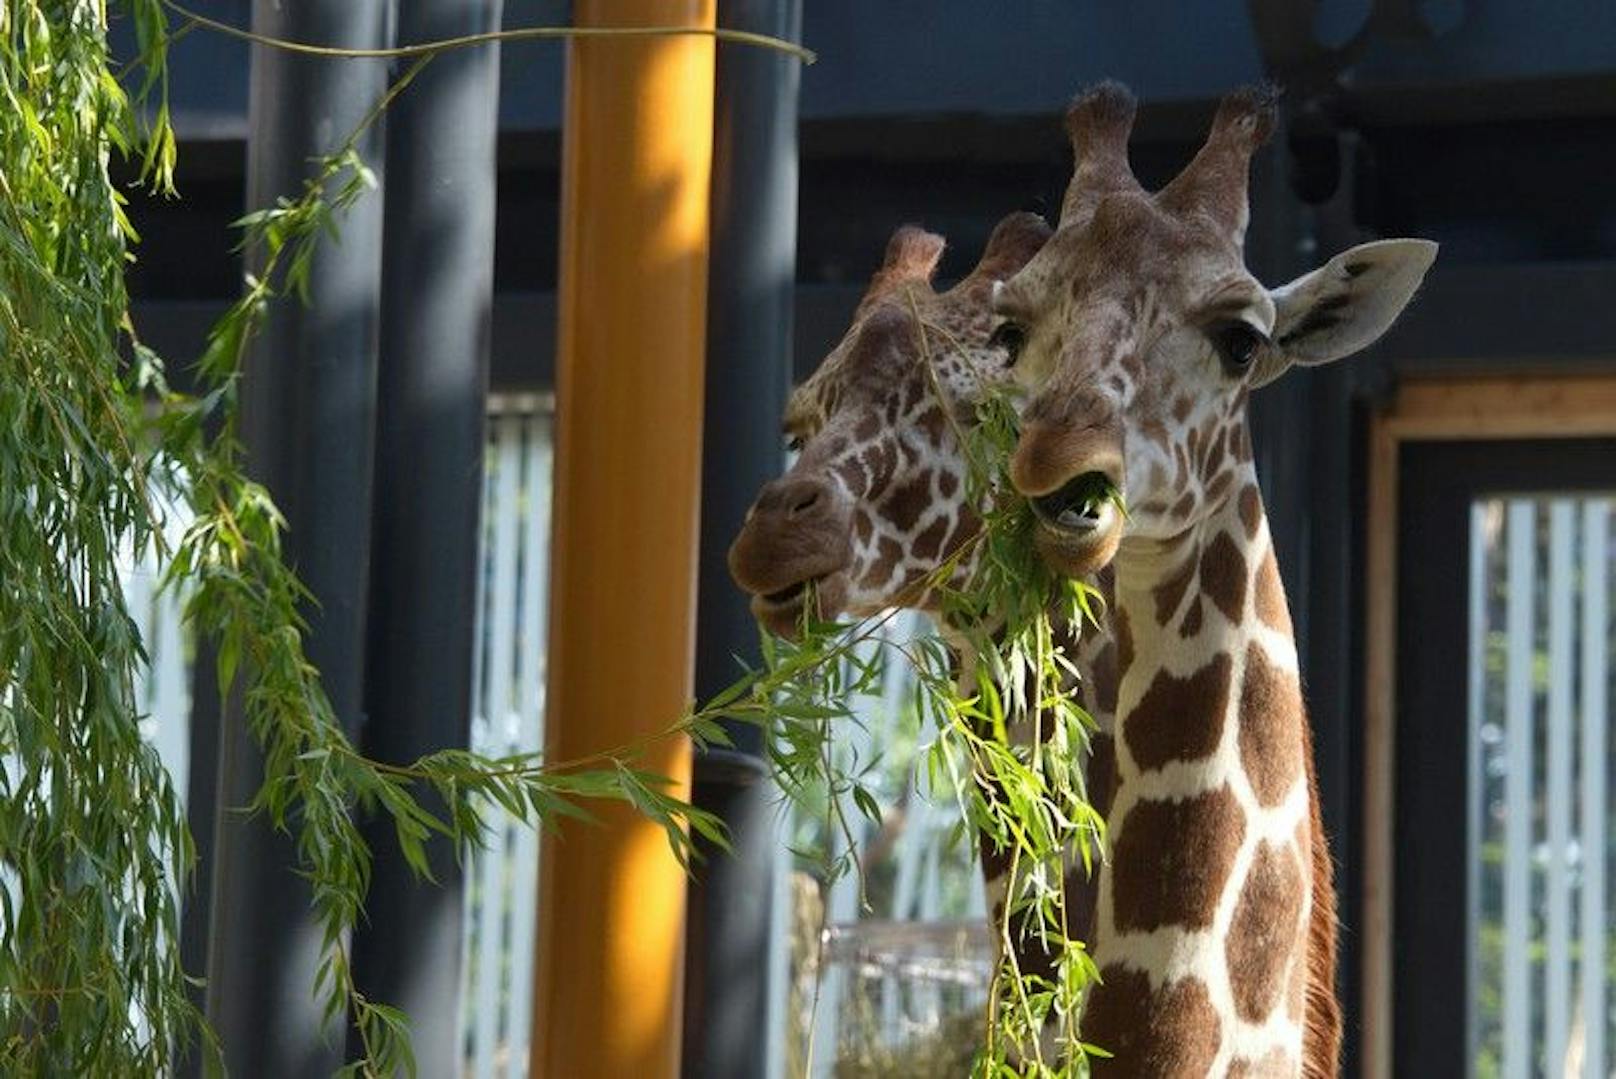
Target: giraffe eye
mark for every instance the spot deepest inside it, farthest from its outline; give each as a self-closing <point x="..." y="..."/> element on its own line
<point x="1237" y="344"/>
<point x="1009" y="337"/>
<point x="794" y="443"/>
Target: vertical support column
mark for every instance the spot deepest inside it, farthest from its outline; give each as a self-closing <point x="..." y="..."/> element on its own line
<point x="749" y="315"/>
<point x="1593" y="703"/>
<point x="308" y="401"/>
<point x="1559" y="794"/>
<point x="636" y="163"/>
<point x="1519" y="781"/>
<point x="438" y="276"/>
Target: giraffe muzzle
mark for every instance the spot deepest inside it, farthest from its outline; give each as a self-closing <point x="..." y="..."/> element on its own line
<point x="814" y="599"/>
<point x="793" y="553"/>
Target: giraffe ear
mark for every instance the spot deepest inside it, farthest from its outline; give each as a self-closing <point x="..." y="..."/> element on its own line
<point x="1344" y="305"/>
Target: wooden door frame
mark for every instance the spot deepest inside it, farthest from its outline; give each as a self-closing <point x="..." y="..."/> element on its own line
<point x="1429" y="410"/>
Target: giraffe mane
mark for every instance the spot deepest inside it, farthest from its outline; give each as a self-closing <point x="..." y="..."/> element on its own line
<point x="1321" y="1024"/>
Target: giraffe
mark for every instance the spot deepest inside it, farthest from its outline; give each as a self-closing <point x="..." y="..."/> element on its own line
<point x="876" y="501"/>
<point x="1139" y="335"/>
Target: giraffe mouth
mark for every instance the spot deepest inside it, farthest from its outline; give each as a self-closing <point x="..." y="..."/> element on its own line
<point x="1083" y="506"/>
<point x="790" y="593"/>
<point x="782" y="611"/>
<point x="1079" y="524"/>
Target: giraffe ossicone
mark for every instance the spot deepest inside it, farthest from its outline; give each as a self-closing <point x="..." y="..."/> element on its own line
<point x="1141" y="334"/>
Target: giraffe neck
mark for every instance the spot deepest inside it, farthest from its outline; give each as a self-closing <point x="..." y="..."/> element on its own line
<point x="1204" y="920"/>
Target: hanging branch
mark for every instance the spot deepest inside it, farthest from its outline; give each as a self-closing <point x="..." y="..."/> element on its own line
<point x="94" y="443"/>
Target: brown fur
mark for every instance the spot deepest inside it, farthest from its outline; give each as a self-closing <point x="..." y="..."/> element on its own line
<point x="1123" y="632"/>
<point x="1223" y="576"/>
<point x="1275" y="1064"/>
<point x="1273" y="728"/>
<point x="1126" y="1017"/>
<point x="1191" y="623"/>
<point x="1171" y="861"/>
<point x="930" y="541"/>
<point x="1251" y="514"/>
<point x="1179" y="719"/>
<point x="1257" y="949"/>
<point x="1321" y="1031"/>
<point x="1170" y="593"/>
<point x="1270" y="597"/>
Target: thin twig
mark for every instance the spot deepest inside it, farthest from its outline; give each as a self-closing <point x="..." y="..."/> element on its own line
<point x="524" y="33"/>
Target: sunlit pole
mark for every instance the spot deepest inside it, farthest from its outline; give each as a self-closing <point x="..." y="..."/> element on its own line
<point x="636" y="159"/>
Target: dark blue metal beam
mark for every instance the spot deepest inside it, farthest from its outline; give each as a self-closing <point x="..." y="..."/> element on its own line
<point x="438" y="282"/>
<point x="749" y="318"/>
<point x="307" y="413"/>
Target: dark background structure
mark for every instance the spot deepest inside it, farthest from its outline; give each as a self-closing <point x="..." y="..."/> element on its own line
<point x="1487" y="125"/>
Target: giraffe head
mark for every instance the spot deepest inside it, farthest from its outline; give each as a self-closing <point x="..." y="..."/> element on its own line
<point x="1142" y="333"/>
<point x="877" y="497"/>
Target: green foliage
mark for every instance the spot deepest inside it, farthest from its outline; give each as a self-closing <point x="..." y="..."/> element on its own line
<point x="92" y="834"/>
<point x="90" y="825"/>
<point x="1026" y="795"/>
<point x="94" y="443"/>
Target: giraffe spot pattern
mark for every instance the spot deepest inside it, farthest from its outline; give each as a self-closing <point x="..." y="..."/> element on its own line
<point x="1216" y="451"/>
<point x="1171" y="860"/>
<point x="1250" y="509"/>
<point x="1123" y="632"/>
<point x="1271" y="727"/>
<point x="966" y="525"/>
<point x="1082" y="886"/>
<point x="1265" y="934"/>
<point x="1190" y="624"/>
<point x="1240" y="444"/>
<point x="1180" y="719"/>
<point x="908" y="501"/>
<point x="852" y="473"/>
<point x="888" y="555"/>
<point x="1170" y="593"/>
<point x="863" y="527"/>
<point x="1168" y="1033"/>
<point x="1274" y="1064"/>
<point x="881" y="460"/>
<point x="1223" y="576"/>
<point x="1296" y="991"/>
<point x="1181" y="509"/>
<point x="913" y="451"/>
<point x="1104" y="675"/>
<point x="1270" y="595"/>
<point x="930" y="541"/>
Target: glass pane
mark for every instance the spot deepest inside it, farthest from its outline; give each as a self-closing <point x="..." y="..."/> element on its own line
<point x="897" y="983"/>
<point x="507" y="718"/>
<point x="1541" y="661"/>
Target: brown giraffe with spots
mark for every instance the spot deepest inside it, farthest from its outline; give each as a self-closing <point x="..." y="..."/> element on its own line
<point x="1141" y="333"/>
<point x="876" y="501"/>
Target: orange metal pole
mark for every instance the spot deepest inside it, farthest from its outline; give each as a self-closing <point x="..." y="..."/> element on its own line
<point x="636" y="160"/>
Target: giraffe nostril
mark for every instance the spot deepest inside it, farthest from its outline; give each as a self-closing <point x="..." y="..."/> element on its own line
<point x="807" y="501"/>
